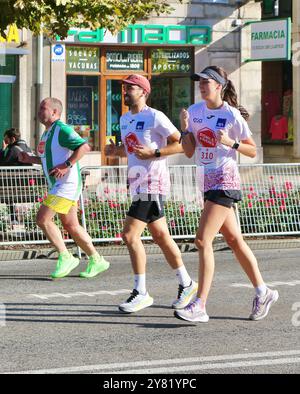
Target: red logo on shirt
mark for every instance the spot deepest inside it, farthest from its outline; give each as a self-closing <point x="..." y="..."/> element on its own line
<point x="41" y="147"/>
<point x="206" y="138"/>
<point x="131" y="142"/>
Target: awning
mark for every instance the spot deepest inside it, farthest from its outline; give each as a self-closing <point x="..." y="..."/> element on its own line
<point x="7" y="78"/>
<point x="13" y="51"/>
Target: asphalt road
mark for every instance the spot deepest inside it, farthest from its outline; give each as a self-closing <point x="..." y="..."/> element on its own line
<point x="72" y="325"/>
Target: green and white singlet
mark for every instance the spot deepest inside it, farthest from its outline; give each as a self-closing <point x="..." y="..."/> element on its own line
<point x="55" y="147"/>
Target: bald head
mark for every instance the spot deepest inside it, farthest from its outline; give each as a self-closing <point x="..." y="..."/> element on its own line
<point x="50" y="110"/>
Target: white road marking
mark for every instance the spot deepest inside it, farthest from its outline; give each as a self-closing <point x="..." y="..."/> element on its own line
<point x="189" y="368"/>
<point x="79" y="294"/>
<point x="269" y="284"/>
<point x="286" y="358"/>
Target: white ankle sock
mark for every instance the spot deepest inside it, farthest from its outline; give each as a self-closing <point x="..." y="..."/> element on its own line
<point x="183" y="277"/>
<point x="261" y="290"/>
<point x="140" y="283"/>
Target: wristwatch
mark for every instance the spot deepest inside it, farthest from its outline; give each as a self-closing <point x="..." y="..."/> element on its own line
<point x="157" y="153"/>
<point x="235" y="145"/>
<point x="182" y="134"/>
<point x="68" y="164"/>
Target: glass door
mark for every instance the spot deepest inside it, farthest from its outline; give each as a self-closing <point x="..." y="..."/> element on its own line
<point x="113" y="110"/>
<point x="112" y="107"/>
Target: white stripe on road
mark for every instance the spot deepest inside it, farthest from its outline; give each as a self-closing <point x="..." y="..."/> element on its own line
<point x="79" y="294"/>
<point x="121" y="367"/>
<point x="190" y="368"/>
<point x="269" y="284"/>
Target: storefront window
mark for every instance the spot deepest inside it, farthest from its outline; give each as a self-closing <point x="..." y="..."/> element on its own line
<point x="277" y="100"/>
<point x="82" y="107"/>
<point x="113" y="110"/>
<point x="170" y="91"/>
<point x="170" y="95"/>
<point x="90" y="69"/>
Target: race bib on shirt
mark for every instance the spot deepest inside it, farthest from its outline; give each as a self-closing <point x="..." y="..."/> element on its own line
<point x="207" y="148"/>
<point x="131" y="142"/>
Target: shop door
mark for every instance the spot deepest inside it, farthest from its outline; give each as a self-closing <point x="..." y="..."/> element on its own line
<point x="112" y="109"/>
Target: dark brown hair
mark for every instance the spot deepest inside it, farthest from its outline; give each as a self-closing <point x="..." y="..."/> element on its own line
<point x="13" y="132"/>
<point x="229" y="93"/>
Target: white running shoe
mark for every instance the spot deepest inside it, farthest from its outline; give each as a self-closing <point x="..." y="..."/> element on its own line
<point x="192" y="312"/>
<point x="261" y="305"/>
<point x="185" y="295"/>
<point x="136" y="302"/>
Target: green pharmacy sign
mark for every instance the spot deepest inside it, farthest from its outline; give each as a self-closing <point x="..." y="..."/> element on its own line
<point x="145" y="34"/>
<point x="269" y="40"/>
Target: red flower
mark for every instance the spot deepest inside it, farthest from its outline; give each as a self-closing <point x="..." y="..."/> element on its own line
<point x="288" y="185"/>
<point x="31" y="182"/>
<point x="251" y="188"/>
<point x="250" y="205"/>
<point x="282" y="207"/>
<point x="181" y="210"/>
<point x="249" y="196"/>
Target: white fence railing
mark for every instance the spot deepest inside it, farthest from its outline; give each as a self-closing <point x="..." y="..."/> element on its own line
<point x="270" y="206"/>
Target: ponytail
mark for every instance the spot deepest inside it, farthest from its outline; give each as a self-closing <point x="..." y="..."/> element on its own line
<point x="230" y="96"/>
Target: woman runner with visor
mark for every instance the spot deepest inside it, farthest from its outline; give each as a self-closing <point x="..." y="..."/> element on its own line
<point x="215" y="130"/>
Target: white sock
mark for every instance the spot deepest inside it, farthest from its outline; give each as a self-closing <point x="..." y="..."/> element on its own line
<point x="183" y="277"/>
<point x="261" y="290"/>
<point x="140" y="283"/>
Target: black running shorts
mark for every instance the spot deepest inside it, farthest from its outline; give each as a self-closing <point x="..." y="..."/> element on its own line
<point x="223" y="197"/>
<point x="147" y="207"/>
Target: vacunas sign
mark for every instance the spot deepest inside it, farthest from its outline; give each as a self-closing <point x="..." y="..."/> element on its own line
<point x="145" y="34"/>
<point x="271" y="40"/>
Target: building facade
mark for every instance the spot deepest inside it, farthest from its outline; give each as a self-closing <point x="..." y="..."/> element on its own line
<point x="85" y="71"/>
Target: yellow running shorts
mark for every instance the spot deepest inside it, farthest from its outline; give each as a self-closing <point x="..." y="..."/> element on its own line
<point x="59" y="204"/>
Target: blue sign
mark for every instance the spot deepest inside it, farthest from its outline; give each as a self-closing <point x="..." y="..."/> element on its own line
<point x="58" y="49"/>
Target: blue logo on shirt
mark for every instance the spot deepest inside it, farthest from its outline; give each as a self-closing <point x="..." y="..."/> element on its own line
<point x="197" y="120"/>
<point x="140" y="126"/>
<point x="221" y="123"/>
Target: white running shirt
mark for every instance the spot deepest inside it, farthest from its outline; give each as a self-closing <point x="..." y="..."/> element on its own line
<point x="55" y="147"/>
<point x="217" y="160"/>
<point x="149" y="128"/>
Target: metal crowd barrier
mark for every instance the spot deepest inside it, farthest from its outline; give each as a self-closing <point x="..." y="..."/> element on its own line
<point x="270" y="206"/>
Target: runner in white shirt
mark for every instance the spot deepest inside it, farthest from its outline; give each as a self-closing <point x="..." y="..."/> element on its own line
<point x="215" y="130"/>
<point x="60" y="149"/>
<point x="148" y="137"/>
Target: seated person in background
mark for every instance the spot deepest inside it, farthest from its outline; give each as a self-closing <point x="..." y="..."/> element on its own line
<point x="12" y="145"/>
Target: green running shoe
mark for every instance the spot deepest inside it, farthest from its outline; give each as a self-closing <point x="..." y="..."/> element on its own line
<point x="96" y="265"/>
<point x="65" y="265"/>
